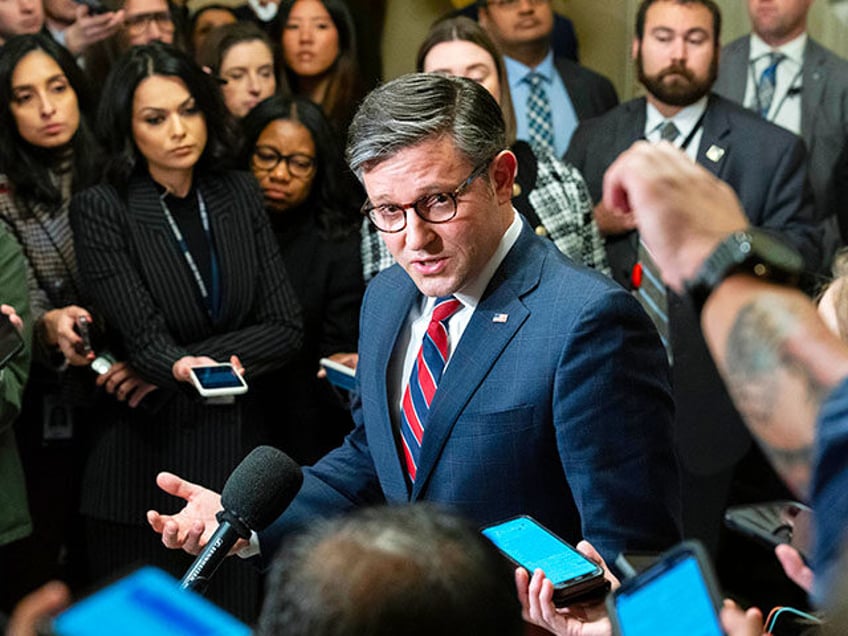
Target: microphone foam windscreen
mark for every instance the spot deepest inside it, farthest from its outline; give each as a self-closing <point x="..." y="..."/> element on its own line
<point x="262" y="486"/>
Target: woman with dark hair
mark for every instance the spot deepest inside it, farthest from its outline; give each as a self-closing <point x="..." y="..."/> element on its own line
<point x="292" y="152"/>
<point x="202" y="21"/>
<point x="551" y="195"/>
<point x="177" y="254"/>
<point x="319" y="49"/>
<point x="243" y="59"/>
<point x="48" y="152"/>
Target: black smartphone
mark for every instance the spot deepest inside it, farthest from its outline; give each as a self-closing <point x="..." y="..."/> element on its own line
<point x="83" y="329"/>
<point x="631" y="563"/>
<point x="95" y="7"/>
<point x="148" y="601"/>
<point x="11" y="341"/>
<point x="677" y="596"/>
<point x="529" y="544"/>
<point x="773" y="523"/>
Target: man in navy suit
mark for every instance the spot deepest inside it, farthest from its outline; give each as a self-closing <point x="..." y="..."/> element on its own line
<point x="676" y="52"/>
<point x="555" y="401"/>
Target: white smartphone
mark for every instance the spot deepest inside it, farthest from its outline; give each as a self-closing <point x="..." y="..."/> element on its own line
<point x="218" y="379"/>
<point x="338" y="374"/>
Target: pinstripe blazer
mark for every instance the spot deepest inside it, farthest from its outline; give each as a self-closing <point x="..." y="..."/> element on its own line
<point x="138" y="280"/>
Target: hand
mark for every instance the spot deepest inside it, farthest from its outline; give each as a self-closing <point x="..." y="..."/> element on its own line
<point x="613" y="222"/>
<point x="59" y="329"/>
<point x="682" y="211"/>
<point x="14" y="318"/>
<point x="122" y="381"/>
<point x="347" y="359"/>
<point x="737" y="622"/>
<point x="182" y="367"/>
<point x="192" y="526"/>
<point x="794" y="567"/>
<point x="36" y="607"/>
<point x="584" y="619"/>
<point x="89" y="29"/>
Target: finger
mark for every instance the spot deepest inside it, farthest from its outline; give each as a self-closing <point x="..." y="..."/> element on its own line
<point x="237" y="365"/>
<point x="46" y="601"/>
<point x="522" y="581"/>
<point x="171" y="534"/>
<point x="156" y="521"/>
<point x="193" y="540"/>
<point x="794" y="566"/>
<point x="533" y="592"/>
<point x="176" y="486"/>
<point x="546" y="601"/>
<point x="140" y="393"/>
<point x="104" y="377"/>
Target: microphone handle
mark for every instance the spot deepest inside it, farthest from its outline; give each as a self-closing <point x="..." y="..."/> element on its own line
<point x="211" y="556"/>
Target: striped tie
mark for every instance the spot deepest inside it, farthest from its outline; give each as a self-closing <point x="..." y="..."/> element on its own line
<point x="765" y="87"/>
<point x="425" y="376"/>
<point x="540" y="119"/>
<point x="651" y="294"/>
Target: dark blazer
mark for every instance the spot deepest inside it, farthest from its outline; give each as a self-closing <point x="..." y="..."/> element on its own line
<point x="824" y="124"/>
<point x="138" y="280"/>
<point x="555" y="403"/>
<point x="766" y="166"/>
<point x="591" y="93"/>
<point x="327" y="278"/>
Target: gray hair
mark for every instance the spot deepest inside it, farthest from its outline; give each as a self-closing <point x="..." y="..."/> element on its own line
<point x="419" y="107"/>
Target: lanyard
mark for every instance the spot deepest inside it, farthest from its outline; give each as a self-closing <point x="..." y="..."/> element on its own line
<point x="212" y="301"/>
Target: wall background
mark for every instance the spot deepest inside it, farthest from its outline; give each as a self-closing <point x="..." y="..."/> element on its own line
<point x="604" y="30"/>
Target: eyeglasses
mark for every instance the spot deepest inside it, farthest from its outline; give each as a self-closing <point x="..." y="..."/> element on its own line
<point x="513" y="4"/>
<point x="267" y="159"/>
<point x="431" y="208"/>
<point x="140" y="23"/>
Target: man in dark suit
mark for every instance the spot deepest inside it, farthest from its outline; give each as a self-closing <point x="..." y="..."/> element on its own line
<point x="810" y="98"/>
<point x="555" y="400"/>
<point x="565" y="92"/>
<point x="676" y="53"/>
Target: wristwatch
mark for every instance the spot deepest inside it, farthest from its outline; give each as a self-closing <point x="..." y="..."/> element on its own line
<point x="751" y="251"/>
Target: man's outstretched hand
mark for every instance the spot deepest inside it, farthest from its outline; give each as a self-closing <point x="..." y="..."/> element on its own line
<point x="192" y="526"/>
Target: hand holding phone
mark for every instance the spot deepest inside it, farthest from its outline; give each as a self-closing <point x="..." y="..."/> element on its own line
<point x="11" y="341"/>
<point x="338" y="374"/>
<point x="216" y="380"/>
<point x="528" y="544"/>
<point x="83" y="329"/>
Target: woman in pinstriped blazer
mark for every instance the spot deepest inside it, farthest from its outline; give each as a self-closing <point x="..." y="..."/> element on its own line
<point x="177" y="254"/>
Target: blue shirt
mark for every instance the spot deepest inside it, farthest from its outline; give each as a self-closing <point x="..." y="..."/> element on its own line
<point x="564" y="115"/>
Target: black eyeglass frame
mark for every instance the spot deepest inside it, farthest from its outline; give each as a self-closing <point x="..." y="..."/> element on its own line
<point x="368" y="208"/>
<point x="288" y="160"/>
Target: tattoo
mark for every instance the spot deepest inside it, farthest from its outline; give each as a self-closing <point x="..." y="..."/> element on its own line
<point x="758" y="364"/>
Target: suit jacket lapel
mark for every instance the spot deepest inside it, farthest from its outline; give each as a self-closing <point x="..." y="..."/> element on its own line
<point x="813" y="83"/>
<point x="386" y="322"/>
<point x="482" y="343"/>
<point x="735" y="71"/>
<point x="714" y="146"/>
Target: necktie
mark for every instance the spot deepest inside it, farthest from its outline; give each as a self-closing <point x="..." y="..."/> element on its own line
<point x="540" y="120"/>
<point x="423" y="381"/>
<point x="651" y="294"/>
<point x="668" y="131"/>
<point x="765" y="87"/>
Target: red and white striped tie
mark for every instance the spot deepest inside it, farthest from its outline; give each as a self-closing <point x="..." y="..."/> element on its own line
<point x="423" y="381"/>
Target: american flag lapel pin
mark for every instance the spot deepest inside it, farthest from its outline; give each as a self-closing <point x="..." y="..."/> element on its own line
<point x="500" y="317"/>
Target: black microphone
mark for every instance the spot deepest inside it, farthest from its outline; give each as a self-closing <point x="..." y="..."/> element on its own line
<point x="258" y="491"/>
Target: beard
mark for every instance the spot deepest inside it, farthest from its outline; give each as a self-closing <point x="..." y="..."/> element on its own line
<point x="676" y="85"/>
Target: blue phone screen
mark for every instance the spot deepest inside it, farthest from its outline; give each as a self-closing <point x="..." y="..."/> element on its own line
<point x="217" y="377"/>
<point x="146" y="602"/>
<point x="531" y="545"/>
<point x="649" y="609"/>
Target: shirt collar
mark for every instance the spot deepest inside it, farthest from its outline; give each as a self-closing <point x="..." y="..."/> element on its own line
<point x="471" y="294"/>
<point x="685" y="120"/>
<point x="793" y="50"/>
<point x="516" y="71"/>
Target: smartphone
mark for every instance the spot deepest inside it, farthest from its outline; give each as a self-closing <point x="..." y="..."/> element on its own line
<point x="148" y="601"/>
<point x="218" y="379"/>
<point x="95" y="7"/>
<point x="529" y="544"/>
<point x="338" y="374"/>
<point x="11" y="341"/>
<point x="83" y="328"/>
<point x="773" y="523"/>
<point x="677" y="596"/>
